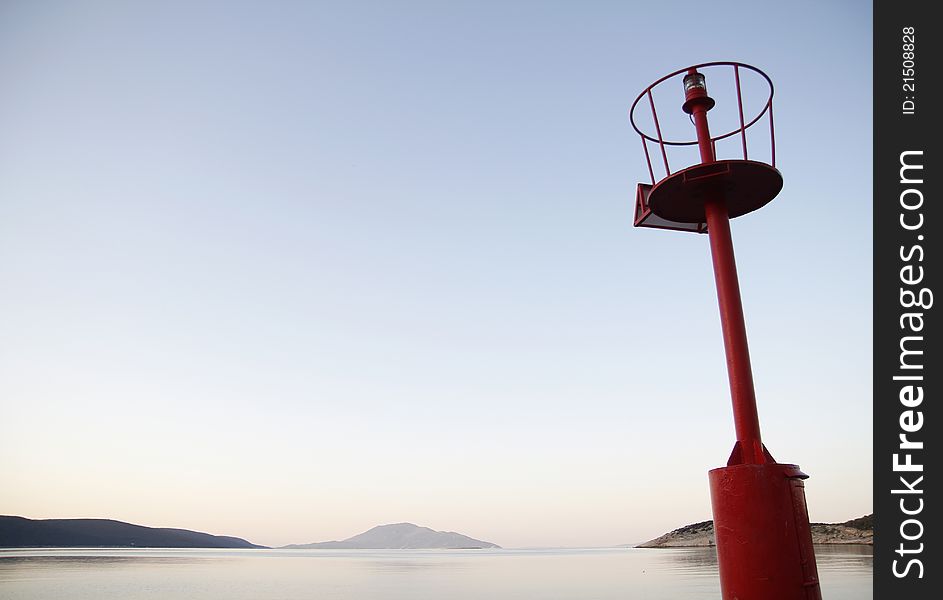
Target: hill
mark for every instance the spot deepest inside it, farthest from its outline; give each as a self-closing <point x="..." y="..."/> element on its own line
<point x="19" y="532"/>
<point x="401" y="536"/>
<point x="855" y="531"/>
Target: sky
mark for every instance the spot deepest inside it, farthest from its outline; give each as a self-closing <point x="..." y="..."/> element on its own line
<point x="289" y="270"/>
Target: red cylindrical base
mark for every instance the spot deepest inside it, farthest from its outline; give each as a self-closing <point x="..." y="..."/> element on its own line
<point x="761" y="527"/>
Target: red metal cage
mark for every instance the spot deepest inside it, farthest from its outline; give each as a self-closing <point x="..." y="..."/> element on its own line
<point x="672" y="199"/>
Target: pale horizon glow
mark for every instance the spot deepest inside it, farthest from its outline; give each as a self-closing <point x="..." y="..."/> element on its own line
<point x="287" y="271"/>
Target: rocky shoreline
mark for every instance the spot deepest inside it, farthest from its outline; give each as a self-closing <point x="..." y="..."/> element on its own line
<point x="855" y="531"/>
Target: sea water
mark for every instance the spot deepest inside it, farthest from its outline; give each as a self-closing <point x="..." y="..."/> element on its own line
<point x="551" y="574"/>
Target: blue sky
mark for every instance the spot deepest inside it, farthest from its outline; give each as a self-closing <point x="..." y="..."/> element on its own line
<point x="290" y="270"/>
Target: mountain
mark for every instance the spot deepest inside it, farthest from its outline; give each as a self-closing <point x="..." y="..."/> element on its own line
<point x="401" y="536"/>
<point x="19" y="532"/>
<point x="855" y="531"/>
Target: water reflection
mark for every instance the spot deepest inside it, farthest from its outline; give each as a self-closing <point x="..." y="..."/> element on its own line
<point x="845" y="556"/>
<point x="568" y="574"/>
<point x="691" y="559"/>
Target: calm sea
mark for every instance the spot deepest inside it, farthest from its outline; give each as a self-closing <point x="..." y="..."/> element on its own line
<point x="590" y="574"/>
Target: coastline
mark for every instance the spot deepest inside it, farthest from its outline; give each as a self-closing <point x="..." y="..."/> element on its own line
<point x="858" y="531"/>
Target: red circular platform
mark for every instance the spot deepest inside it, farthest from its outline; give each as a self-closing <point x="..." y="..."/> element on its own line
<point x="745" y="186"/>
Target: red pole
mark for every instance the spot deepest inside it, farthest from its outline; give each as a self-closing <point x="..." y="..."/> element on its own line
<point x="739" y="372"/>
<point x="761" y="523"/>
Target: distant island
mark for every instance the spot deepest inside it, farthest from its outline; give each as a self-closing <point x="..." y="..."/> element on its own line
<point x="855" y="531"/>
<point x="401" y="536"/>
<point x="19" y="532"/>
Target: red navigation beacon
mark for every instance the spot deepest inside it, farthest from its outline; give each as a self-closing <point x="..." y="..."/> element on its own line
<point x="761" y="524"/>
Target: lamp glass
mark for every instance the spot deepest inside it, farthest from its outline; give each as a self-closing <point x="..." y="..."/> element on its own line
<point x="695" y="80"/>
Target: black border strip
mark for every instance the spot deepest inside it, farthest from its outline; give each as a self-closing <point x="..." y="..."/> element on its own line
<point x="907" y="267"/>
